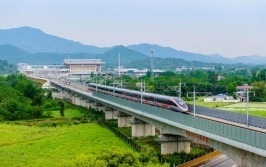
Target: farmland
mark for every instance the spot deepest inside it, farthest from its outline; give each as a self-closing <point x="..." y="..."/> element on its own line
<point x="22" y="144"/>
<point x="255" y="109"/>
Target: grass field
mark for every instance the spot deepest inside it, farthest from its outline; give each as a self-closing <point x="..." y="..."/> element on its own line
<point x="210" y="104"/>
<point x="69" y="113"/>
<point x="255" y="108"/>
<point x="25" y="143"/>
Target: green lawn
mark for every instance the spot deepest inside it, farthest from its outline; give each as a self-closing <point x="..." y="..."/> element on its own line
<point x="50" y="146"/>
<point x="69" y="113"/>
<point x="255" y="108"/>
<point x="210" y="104"/>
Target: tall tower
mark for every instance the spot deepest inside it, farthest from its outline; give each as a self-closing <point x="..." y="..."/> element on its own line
<point x="152" y="65"/>
<point x="119" y="64"/>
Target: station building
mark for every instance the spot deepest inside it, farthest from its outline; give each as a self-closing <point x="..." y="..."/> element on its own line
<point x="83" y="66"/>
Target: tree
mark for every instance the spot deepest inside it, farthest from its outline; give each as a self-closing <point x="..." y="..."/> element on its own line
<point x="62" y="108"/>
<point x="114" y="157"/>
<point x="49" y="94"/>
<point x="262" y="75"/>
<point x="260" y="90"/>
<point x="231" y="88"/>
<point x="92" y="74"/>
<point x="148" y="74"/>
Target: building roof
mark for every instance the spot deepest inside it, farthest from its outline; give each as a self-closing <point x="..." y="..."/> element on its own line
<point x="82" y="61"/>
<point x="244" y="87"/>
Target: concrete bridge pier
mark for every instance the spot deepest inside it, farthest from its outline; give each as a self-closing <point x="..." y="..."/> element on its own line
<point x="123" y="119"/>
<point x="83" y="102"/>
<point x="90" y="104"/>
<point x="99" y="106"/>
<point x="76" y="100"/>
<point x="65" y="92"/>
<point x="141" y="128"/>
<point x="73" y="98"/>
<point x="58" y="95"/>
<point x="109" y="113"/>
<point x="173" y="144"/>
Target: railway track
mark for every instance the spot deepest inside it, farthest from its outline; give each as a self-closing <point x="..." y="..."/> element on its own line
<point x="256" y="129"/>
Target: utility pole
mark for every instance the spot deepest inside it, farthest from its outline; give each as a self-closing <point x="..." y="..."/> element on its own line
<point x="144" y="90"/>
<point x="247" y="100"/>
<point x="141" y="90"/>
<point x="119" y="64"/>
<point x="152" y="68"/>
<point x="179" y="95"/>
<point x="121" y="83"/>
<point x="194" y="98"/>
<point x="194" y="101"/>
<point x="96" y="84"/>
<point x="177" y="89"/>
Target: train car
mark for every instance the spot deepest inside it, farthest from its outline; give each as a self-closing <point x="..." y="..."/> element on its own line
<point x="169" y="102"/>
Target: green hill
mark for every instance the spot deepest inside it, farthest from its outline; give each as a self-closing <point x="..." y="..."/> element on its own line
<point x="169" y="63"/>
<point x="35" y="41"/>
<point x="126" y="56"/>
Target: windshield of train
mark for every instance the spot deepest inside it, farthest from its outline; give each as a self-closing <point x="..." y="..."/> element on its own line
<point x="180" y="101"/>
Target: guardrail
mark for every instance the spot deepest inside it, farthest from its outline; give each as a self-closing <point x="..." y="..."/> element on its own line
<point x="229" y="116"/>
<point x="238" y="134"/>
<point x="120" y="135"/>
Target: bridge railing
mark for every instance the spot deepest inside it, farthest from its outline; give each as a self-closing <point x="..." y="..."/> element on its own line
<point x="229" y="116"/>
<point x="242" y="135"/>
<point x="120" y="135"/>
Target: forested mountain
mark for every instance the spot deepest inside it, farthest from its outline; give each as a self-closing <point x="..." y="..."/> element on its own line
<point x="169" y="63"/>
<point x="34" y="41"/>
<point x="6" y="68"/>
<point x="12" y="54"/>
<point x="33" y="46"/>
<point x="127" y="56"/>
<point x="168" y="52"/>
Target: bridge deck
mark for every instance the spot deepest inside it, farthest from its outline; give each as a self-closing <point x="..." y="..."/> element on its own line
<point x="237" y="136"/>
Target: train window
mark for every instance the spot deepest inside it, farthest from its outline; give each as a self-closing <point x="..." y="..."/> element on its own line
<point x="169" y="102"/>
<point x="132" y="94"/>
<point x="179" y="101"/>
<point x="148" y="98"/>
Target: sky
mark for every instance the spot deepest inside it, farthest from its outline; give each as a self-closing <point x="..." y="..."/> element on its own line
<point x="227" y="27"/>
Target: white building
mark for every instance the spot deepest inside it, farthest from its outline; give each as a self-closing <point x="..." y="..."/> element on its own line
<point x="220" y="98"/>
<point x="84" y="66"/>
<point x="135" y="71"/>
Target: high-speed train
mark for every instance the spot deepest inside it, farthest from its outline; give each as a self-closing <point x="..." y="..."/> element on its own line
<point x="169" y="102"/>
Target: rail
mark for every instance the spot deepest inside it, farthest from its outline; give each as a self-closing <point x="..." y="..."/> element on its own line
<point x="259" y="122"/>
<point x="238" y="134"/>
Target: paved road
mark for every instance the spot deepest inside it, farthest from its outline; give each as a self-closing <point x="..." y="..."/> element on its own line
<point x="220" y="161"/>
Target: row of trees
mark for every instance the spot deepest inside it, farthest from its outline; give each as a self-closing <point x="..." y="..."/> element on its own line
<point x="204" y="81"/>
<point x="117" y="157"/>
<point x="21" y="98"/>
<point x="6" y="68"/>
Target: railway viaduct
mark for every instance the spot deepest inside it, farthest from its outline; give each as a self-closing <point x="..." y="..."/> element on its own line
<point x="246" y="147"/>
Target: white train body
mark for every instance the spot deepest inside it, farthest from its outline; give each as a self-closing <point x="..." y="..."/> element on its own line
<point x="169" y="102"/>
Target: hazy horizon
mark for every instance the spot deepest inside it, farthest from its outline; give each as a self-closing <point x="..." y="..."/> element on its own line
<point x="227" y="28"/>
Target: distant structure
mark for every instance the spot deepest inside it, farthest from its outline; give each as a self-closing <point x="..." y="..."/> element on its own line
<point x="47" y="71"/>
<point x="135" y="72"/>
<point x="83" y="66"/>
<point x="220" y="98"/>
<point x="219" y="77"/>
<point x="71" y="69"/>
<point x="241" y="92"/>
<point x="184" y="68"/>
